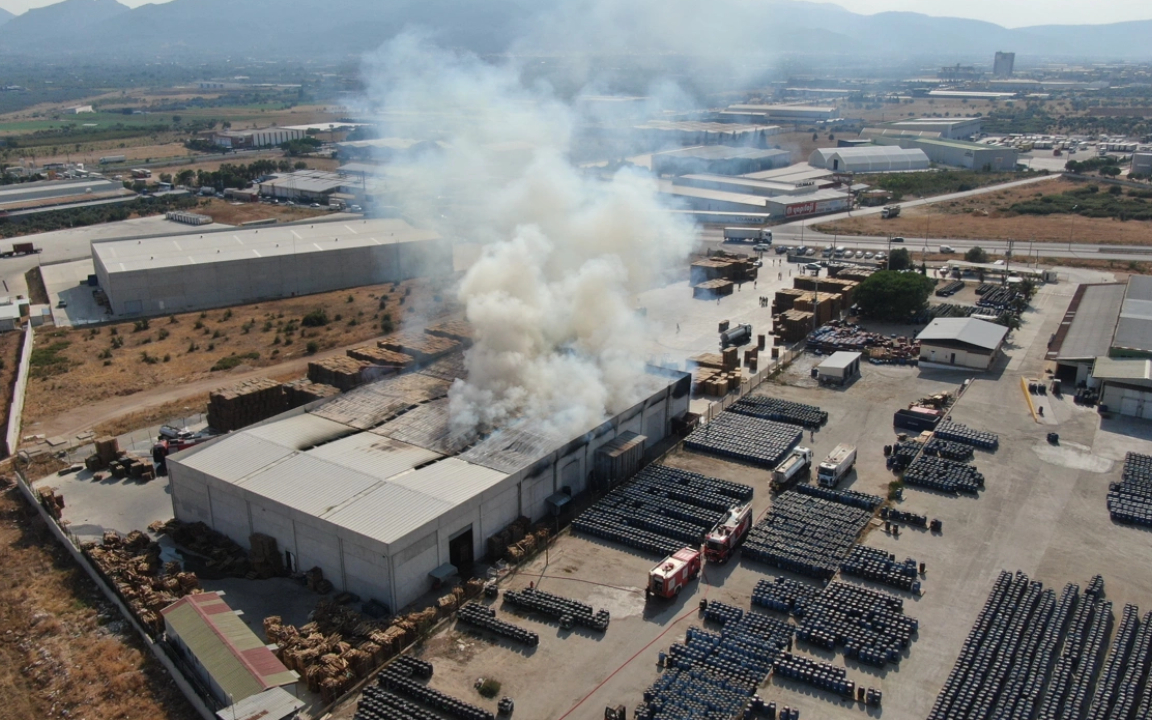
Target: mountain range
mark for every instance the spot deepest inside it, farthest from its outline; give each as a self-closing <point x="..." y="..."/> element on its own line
<point x="5" y="16"/>
<point x="299" y="29"/>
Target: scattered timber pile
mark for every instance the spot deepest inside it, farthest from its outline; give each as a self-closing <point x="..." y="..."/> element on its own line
<point x="341" y="646"/>
<point x="422" y="346"/>
<point x="303" y="391"/>
<point x="132" y="566"/>
<point x="459" y="330"/>
<point x="518" y="541"/>
<point x="52" y="502"/>
<point x="344" y="373"/>
<point x="839" y="335"/>
<point x="248" y="402"/>
<point x="109" y="456"/>
<point x="222" y="556"/>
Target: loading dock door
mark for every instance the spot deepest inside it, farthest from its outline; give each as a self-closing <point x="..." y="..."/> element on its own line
<point x="460" y="551"/>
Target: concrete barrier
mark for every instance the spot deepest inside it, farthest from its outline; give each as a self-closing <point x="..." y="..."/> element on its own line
<point x="16" y="409"/>
<point x="73" y="548"/>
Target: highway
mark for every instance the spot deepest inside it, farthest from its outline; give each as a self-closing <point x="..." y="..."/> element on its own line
<point x="799" y="232"/>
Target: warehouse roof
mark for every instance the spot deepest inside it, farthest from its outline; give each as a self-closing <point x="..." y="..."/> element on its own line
<point x="840" y="360"/>
<point x="1087" y="328"/>
<point x="722" y="152"/>
<point x="313" y="181"/>
<point x="1106" y="368"/>
<point x="765" y="187"/>
<point x="912" y="122"/>
<point x="228" y="244"/>
<point x="1134" y="329"/>
<point x="717" y="195"/>
<point x="224" y="646"/>
<point x="959" y="144"/>
<point x="871" y="158"/>
<point x="976" y="333"/>
<point x="791" y="174"/>
<point x="703" y="126"/>
<point x="274" y="704"/>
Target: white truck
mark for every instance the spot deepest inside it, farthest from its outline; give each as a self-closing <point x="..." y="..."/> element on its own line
<point x="836" y="465"/>
<point x="792" y="469"/>
<point x="890" y="211"/>
<point x="748" y="235"/>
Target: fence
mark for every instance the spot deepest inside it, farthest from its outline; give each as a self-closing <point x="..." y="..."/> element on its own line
<point x="715" y="408"/>
<point x="16" y="409"/>
<point x="70" y="543"/>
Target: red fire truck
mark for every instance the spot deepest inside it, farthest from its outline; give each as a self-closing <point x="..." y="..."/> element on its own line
<point x="674" y="572"/>
<point x="722" y="541"/>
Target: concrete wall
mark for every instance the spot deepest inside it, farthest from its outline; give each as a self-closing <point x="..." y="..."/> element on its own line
<point x="1129" y="401"/>
<point x="208" y="285"/>
<point x="943" y="356"/>
<point x="20" y="386"/>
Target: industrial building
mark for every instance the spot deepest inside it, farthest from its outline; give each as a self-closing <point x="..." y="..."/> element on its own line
<point x="665" y="133"/>
<point x="311" y="186"/>
<point x="1003" y="64"/>
<point x="375" y="489"/>
<point x="869" y="159"/>
<point x="43" y="195"/>
<point x="746" y="201"/>
<point x="718" y="160"/>
<point x="164" y="274"/>
<point x="1141" y="164"/>
<point x="1133" y="337"/>
<point x="961" y="343"/>
<point x="1125" y="385"/>
<point x="953" y="128"/>
<point x="751" y="186"/>
<point x="968" y="155"/>
<point x="227" y="657"/>
<point x="256" y="138"/>
<point x="778" y="113"/>
<point x="1086" y="331"/>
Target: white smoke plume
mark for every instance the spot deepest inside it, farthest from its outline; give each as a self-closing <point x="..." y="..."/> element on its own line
<point x="558" y="338"/>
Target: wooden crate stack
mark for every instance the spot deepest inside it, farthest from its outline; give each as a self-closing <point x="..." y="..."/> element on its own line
<point x="303" y="391"/>
<point x="421" y="346"/>
<point x="459" y="330"/>
<point x="245" y="403"/>
<point x="379" y="356"/>
<point x="794" y="325"/>
<point x="344" y="373"/>
<point x="825" y="306"/>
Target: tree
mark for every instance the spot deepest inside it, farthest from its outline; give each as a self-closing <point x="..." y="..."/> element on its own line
<point x="185" y="177"/>
<point x="976" y="255"/>
<point x="1110" y="170"/>
<point x="900" y="259"/>
<point x="890" y="295"/>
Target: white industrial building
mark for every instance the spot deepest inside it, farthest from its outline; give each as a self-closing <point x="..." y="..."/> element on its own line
<point x="718" y="160"/>
<point x="194" y="270"/>
<point x="663" y="133"/>
<point x="1142" y="163"/>
<point x="743" y="200"/>
<point x="968" y="155"/>
<point x="950" y="128"/>
<point x="374" y="489"/>
<point x="303" y="185"/>
<point x="778" y="113"/>
<point x="262" y="137"/>
<point x="869" y="159"/>
<point x="961" y="343"/>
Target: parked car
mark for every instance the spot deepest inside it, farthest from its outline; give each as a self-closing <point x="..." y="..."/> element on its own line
<point x="869" y="255"/>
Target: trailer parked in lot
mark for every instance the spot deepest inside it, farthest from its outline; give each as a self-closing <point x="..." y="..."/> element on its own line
<point x="838" y="463"/>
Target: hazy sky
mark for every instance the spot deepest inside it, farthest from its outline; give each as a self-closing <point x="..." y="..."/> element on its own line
<point x="1010" y="13"/>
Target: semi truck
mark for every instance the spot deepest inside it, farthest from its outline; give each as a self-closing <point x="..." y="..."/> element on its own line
<point x="748" y="235"/>
<point x="667" y="579"/>
<point x="890" y="211"/>
<point x="836" y="465"/>
<point x="796" y="465"/>
<point x="723" y="540"/>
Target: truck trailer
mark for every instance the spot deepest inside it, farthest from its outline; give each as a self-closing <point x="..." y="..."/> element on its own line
<point x="667" y="579"/>
<point x="748" y="235"/>
<point x="794" y="467"/>
<point x="890" y="211"/>
<point x="838" y="463"/>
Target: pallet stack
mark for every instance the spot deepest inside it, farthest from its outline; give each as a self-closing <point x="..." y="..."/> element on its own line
<point x="839" y="286"/>
<point x="265" y="557"/>
<point x="786" y="298"/>
<point x="423" y="347"/>
<point x="459" y="330"/>
<point x="303" y="391"/>
<point x="380" y="356"/>
<point x="793" y="325"/>
<point x="825" y="306"/>
<point x="344" y="373"/>
<point x="246" y="403"/>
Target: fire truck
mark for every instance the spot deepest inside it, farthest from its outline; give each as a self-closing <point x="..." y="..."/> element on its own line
<point x="722" y="541"/>
<point x="674" y="572"/>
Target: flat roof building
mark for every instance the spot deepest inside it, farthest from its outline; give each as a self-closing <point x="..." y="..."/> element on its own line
<point x="1125" y="385"/>
<point x="968" y="155"/>
<point x="306" y="185"/>
<point x="788" y="113"/>
<point x="659" y="133"/>
<point x="869" y="159"/>
<point x="375" y="487"/>
<point x="954" y="128"/>
<point x="718" y="160"/>
<point x="256" y="138"/>
<point x="961" y="343"/>
<point x="1133" y="336"/>
<point x="195" y="270"/>
<point x="1086" y="331"/>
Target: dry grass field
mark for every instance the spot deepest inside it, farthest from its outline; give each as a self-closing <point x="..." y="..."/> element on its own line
<point x="229" y="213"/>
<point x="64" y="652"/>
<point x="988" y="217"/>
<point x="77" y="367"/>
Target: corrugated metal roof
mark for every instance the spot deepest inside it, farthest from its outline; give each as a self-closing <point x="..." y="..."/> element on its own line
<point x="273" y="704"/>
<point x="1107" y="368"/>
<point x="840" y="360"/>
<point x="378" y="402"/>
<point x="389" y="512"/>
<point x="1090" y="333"/>
<point x="1134" y="328"/>
<point x="427" y="426"/>
<point x="227" y="649"/>
<point x="451" y="480"/>
<point x="301" y="431"/>
<point x="511" y="449"/>
<point x="380" y="457"/>
<point x="309" y="484"/>
<point x="977" y="333"/>
<point x="234" y="457"/>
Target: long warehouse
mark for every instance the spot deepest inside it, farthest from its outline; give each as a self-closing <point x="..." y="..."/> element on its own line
<point x="215" y="268"/>
<point x="374" y="489"/>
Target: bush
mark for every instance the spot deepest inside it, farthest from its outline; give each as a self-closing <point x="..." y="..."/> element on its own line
<point x="140" y="325"/>
<point x="489" y="688"/>
<point x="312" y="347"/>
<point x="47" y="361"/>
<point x="900" y="259"/>
<point x="316" y="318"/>
<point x="976" y="255"/>
<point x="148" y="359"/>
<point x="232" y="361"/>
<point x="163" y="334"/>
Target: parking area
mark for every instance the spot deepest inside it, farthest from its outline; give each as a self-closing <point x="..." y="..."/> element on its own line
<point x="1043" y="511"/>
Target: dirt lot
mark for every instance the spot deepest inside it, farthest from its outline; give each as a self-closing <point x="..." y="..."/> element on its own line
<point x="987" y="217"/>
<point x="65" y="652"/>
<point x="230" y="213"/>
<point x="79" y="367"/>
